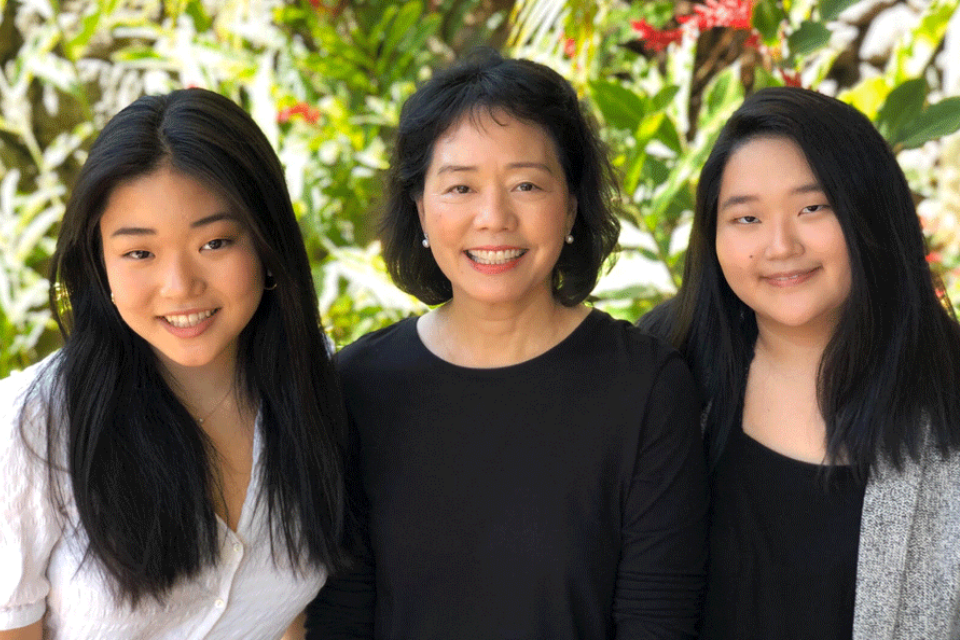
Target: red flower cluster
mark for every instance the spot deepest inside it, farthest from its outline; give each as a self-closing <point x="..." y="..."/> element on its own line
<point x="791" y="78"/>
<point x="715" y="13"/>
<point x="720" y="13"/>
<point x="656" y="39"/>
<point x="310" y="114"/>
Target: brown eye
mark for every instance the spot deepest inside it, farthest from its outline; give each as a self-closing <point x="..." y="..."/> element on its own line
<point x="218" y="243"/>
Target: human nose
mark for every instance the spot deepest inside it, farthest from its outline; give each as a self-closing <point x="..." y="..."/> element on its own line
<point x="496" y="211"/>
<point x="181" y="277"/>
<point x="783" y="241"/>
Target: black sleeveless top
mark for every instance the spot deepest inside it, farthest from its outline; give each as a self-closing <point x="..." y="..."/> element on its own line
<point x="783" y="547"/>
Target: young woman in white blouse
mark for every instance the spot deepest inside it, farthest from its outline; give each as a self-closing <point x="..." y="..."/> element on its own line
<point x="176" y="469"/>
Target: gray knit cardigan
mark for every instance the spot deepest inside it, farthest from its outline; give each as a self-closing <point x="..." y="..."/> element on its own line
<point x="908" y="571"/>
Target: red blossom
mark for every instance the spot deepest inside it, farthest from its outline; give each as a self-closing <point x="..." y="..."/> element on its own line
<point x="720" y="13"/>
<point x="656" y="39"/>
<point x="934" y="257"/>
<point x="569" y="47"/>
<point x="791" y="78"/>
<point x="310" y="114"/>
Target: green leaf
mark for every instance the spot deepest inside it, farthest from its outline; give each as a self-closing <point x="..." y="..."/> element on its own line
<point x="766" y="18"/>
<point x="726" y="89"/>
<point x="940" y="119"/>
<point x="668" y="135"/>
<point x="407" y="17"/>
<point x="634" y="173"/>
<point x="656" y="170"/>
<point x="621" y="108"/>
<point x="664" y="97"/>
<point x="808" y="37"/>
<point x="830" y="9"/>
<point x="902" y="105"/>
<point x="201" y="20"/>
<point x="75" y="46"/>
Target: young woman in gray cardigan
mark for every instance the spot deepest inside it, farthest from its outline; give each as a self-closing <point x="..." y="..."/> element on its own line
<point x="831" y="360"/>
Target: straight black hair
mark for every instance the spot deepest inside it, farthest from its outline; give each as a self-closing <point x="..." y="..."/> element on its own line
<point x="139" y="466"/>
<point x="486" y="82"/>
<point x="890" y="374"/>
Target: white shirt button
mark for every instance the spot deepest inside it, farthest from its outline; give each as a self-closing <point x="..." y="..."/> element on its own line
<point x="237" y="547"/>
<point x="219" y="603"/>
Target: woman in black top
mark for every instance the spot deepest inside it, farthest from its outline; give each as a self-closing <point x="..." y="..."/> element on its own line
<point x="534" y="467"/>
<point x="809" y="315"/>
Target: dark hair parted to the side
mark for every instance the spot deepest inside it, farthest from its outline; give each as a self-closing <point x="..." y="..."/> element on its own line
<point x="532" y="93"/>
<point x="139" y="465"/>
<point x="893" y="363"/>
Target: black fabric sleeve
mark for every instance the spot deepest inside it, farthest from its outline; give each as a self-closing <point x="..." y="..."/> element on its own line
<point x="662" y="570"/>
<point x="344" y="608"/>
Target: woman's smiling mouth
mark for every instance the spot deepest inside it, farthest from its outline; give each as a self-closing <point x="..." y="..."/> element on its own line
<point x="787" y="279"/>
<point x="184" y="321"/>
<point x="500" y="256"/>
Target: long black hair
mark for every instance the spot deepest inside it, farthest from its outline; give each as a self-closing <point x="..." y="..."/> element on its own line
<point x="139" y="466"/>
<point x="485" y="82"/>
<point x="892" y="365"/>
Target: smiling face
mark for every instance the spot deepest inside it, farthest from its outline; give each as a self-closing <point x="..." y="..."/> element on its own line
<point x="182" y="268"/>
<point x="496" y="208"/>
<point x="779" y="243"/>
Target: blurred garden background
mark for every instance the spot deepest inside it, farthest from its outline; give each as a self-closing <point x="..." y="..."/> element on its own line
<point x="325" y="80"/>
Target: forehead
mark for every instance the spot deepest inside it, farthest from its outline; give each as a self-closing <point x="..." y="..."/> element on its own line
<point x="495" y="130"/>
<point x="162" y="199"/>
<point x="766" y="163"/>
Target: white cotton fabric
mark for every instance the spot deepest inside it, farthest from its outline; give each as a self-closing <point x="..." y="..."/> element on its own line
<point x="42" y="576"/>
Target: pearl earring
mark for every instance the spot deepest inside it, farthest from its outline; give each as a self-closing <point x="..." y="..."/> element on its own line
<point x="569" y="238"/>
<point x="112" y="300"/>
<point x="425" y="242"/>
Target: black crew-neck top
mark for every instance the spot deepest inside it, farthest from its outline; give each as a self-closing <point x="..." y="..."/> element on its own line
<point x="561" y="498"/>
<point x="783" y="547"/>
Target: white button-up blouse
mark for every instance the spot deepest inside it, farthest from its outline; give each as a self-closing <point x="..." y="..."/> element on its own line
<point x="246" y="595"/>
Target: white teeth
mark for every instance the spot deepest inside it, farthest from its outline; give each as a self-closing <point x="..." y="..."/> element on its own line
<point x="793" y="277"/>
<point x="494" y="257"/>
<point x="190" y="319"/>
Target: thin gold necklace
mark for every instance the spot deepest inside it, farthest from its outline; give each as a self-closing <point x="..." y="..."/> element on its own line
<point x="215" y="407"/>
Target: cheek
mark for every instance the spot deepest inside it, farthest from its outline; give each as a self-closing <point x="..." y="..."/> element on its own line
<point x="125" y="284"/>
<point x="249" y="274"/>
<point x="731" y="252"/>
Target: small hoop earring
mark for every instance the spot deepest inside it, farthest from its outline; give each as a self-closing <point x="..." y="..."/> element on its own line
<point x="569" y="238"/>
<point x="425" y="242"/>
<point x="112" y="300"/>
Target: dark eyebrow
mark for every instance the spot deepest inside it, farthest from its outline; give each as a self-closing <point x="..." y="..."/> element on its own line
<point x="448" y="168"/>
<point x="530" y="165"/>
<point x="133" y="231"/>
<point x="217" y="217"/>
<point x="813" y="187"/>
<point x="146" y="231"/>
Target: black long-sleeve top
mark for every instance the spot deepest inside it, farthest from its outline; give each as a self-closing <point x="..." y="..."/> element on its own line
<point x="560" y="498"/>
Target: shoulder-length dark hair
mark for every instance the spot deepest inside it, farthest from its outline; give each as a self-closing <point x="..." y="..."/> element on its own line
<point x="532" y="93"/>
<point x="893" y="363"/>
<point x="140" y="467"/>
